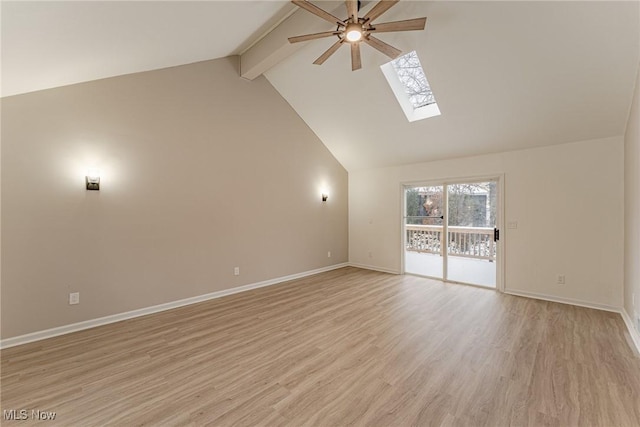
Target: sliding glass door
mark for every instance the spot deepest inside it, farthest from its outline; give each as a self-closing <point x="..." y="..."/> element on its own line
<point x="450" y="232"/>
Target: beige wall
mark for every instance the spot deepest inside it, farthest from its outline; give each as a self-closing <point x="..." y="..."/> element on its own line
<point x="567" y="200"/>
<point x="632" y="211"/>
<point x="201" y="171"/>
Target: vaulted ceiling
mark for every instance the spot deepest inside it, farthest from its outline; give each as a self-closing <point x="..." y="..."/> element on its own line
<point x="506" y="75"/>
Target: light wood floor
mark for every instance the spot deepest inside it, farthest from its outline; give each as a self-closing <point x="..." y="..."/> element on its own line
<point x="345" y="347"/>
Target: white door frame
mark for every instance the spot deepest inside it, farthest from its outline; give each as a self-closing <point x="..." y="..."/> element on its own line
<point x="499" y="178"/>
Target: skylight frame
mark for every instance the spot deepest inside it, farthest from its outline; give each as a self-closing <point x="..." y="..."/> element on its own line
<point x="400" y="91"/>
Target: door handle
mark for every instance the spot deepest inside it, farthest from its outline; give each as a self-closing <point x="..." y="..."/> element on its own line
<point x="496" y="234"/>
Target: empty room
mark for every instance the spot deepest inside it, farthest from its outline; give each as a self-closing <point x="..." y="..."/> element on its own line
<point x="327" y="213"/>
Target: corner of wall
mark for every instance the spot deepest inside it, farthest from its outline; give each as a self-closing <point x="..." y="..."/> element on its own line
<point x="632" y="211"/>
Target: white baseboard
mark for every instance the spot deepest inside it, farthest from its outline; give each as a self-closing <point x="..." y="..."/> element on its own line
<point x="633" y="332"/>
<point x="562" y="300"/>
<point x="88" y="324"/>
<point x="371" y="267"/>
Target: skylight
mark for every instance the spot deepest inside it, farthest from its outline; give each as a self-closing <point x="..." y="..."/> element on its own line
<point x="409" y="83"/>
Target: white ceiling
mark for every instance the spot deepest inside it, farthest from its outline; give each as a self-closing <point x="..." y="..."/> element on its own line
<point x="506" y="75"/>
<point x="48" y="44"/>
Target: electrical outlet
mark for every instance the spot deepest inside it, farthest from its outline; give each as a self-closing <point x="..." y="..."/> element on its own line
<point x="74" y="298"/>
<point x="329" y="254"/>
<point x="561" y="280"/>
<point x="370" y="254"/>
<point x="236" y="271"/>
<point x="512" y="225"/>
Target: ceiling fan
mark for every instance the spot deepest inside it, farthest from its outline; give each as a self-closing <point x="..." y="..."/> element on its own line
<point x="355" y="30"/>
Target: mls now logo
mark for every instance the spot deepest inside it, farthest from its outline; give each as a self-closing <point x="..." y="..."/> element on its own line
<point x="24" y="414"/>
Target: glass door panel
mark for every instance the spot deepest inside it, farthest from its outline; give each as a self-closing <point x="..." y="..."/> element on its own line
<point x="472" y="219"/>
<point x="424" y="244"/>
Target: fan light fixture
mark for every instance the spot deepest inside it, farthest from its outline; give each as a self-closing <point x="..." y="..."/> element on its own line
<point x="356" y="30"/>
<point x="354" y="33"/>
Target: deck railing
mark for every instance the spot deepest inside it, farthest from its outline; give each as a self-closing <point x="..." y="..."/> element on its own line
<point x="471" y="242"/>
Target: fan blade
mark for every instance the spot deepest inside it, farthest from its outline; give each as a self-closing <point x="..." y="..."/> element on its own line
<point x="387" y="49"/>
<point x="379" y="9"/>
<point x="352" y="9"/>
<point x="408" y="25"/>
<point x="328" y="53"/>
<point x="306" y="37"/>
<point x="356" y="62"/>
<point x="304" y="4"/>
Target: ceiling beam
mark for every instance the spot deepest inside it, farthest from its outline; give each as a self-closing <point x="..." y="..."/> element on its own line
<point x="274" y="46"/>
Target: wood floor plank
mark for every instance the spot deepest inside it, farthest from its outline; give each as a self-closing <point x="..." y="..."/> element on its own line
<point x="346" y="347"/>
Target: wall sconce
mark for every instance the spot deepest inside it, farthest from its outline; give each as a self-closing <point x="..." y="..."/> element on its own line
<point x="93" y="179"/>
<point x="325" y="196"/>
